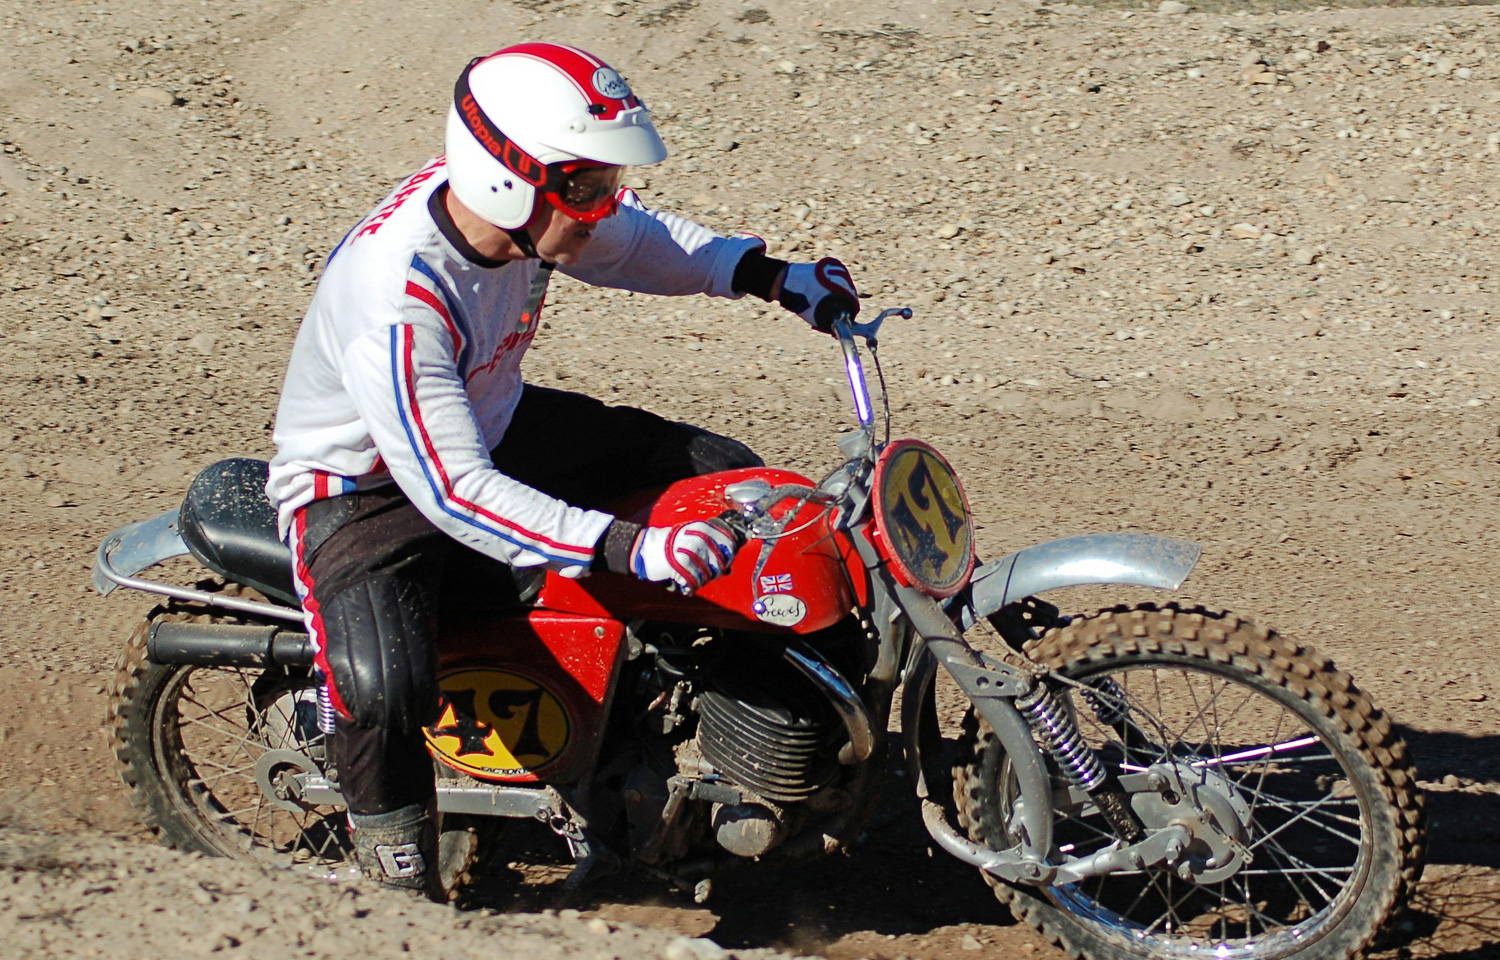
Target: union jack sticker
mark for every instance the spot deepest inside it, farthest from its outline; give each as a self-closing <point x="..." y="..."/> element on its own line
<point x="776" y="583"/>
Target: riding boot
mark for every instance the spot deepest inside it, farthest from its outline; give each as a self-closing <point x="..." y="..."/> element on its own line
<point x="400" y="849"/>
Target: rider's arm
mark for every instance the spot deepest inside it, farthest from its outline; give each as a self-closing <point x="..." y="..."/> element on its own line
<point x="652" y="251"/>
<point x="406" y="385"/>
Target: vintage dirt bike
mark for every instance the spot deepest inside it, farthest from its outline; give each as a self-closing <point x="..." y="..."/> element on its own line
<point x="1143" y="781"/>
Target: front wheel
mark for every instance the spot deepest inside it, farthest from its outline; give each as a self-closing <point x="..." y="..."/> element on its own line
<point x="1307" y="829"/>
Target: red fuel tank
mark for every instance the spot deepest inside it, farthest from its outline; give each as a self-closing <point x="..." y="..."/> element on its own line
<point x="804" y="581"/>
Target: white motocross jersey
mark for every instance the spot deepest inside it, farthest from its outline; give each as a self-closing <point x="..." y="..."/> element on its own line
<point x="407" y="367"/>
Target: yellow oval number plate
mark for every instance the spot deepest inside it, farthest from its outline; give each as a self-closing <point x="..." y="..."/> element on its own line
<point x="923" y="516"/>
<point x="497" y="724"/>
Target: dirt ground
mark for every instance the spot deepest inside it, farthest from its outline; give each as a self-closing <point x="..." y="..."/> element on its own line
<point x="1225" y="277"/>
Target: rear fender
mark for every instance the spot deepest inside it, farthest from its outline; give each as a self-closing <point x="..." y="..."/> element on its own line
<point x="134" y="548"/>
<point x="142" y="545"/>
<point x="1136" y="559"/>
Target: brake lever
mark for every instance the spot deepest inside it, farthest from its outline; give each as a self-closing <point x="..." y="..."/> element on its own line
<point x="871" y="329"/>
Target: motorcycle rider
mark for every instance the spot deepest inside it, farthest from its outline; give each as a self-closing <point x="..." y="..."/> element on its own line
<point x="404" y="429"/>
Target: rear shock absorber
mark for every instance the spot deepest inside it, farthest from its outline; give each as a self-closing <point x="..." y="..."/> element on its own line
<point x="325" y="709"/>
<point x="1055" y="724"/>
<point x="1108" y="700"/>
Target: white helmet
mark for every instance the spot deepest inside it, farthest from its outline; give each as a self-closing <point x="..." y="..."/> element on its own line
<point x="523" y="117"/>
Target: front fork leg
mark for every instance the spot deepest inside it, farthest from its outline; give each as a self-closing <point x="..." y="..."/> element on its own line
<point x="1015" y="704"/>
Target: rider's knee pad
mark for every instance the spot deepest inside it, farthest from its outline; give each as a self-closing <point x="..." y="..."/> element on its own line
<point x="709" y="452"/>
<point x="380" y="634"/>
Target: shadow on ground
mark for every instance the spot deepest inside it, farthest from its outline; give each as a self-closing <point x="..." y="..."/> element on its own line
<point x="892" y="883"/>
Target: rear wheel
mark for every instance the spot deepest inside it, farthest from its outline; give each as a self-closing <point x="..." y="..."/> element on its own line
<point x="212" y="757"/>
<point x="1319" y="827"/>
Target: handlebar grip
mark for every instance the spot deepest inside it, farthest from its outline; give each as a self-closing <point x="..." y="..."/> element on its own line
<point x="832" y="308"/>
<point x="736" y="525"/>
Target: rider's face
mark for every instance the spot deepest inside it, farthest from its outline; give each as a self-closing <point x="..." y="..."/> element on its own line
<point x="558" y="237"/>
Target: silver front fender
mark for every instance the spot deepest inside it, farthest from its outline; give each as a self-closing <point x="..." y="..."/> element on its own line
<point x="1138" y="559"/>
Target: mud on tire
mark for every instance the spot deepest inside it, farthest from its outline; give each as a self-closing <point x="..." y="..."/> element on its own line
<point x="1365" y="789"/>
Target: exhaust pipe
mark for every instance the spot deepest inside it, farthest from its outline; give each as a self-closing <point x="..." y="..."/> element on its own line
<point x="227" y="645"/>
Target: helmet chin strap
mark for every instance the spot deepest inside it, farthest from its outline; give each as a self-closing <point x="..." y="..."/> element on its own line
<point x="521" y="237"/>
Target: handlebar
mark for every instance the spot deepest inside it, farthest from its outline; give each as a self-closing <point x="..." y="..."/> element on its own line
<point x="846" y="330"/>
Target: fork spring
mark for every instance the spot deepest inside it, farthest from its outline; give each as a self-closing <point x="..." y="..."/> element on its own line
<point x="1054" y="723"/>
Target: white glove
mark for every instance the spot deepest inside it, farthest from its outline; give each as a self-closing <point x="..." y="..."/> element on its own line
<point x="689" y="554"/>
<point x="817" y="291"/>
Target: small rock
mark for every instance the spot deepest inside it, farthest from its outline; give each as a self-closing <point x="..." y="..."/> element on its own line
<point x="969" y="942"/>
<point x="598" y="926"/>
<point x="1171" y="7"/>
<point x="1265" y="76"/>
<point x="204" y="343"/>
<point x="1305" y="256"/>
<point x="1245" y="231"/>
<point x="786" y="66"/>
<point x="1444" y="66"/>
<point x="695" y="948"/>
<point x="1463" y="73"/>
<point x="612" y="9"/>
<point x="156" y="95"/>
<point x="948" y="231"/>
<point x="1178" y="199"/>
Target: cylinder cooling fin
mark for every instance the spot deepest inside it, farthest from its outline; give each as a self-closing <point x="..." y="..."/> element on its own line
<point x="772" y="735"/>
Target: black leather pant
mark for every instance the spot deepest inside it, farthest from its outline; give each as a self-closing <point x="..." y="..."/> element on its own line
<point x="378" y="570"/>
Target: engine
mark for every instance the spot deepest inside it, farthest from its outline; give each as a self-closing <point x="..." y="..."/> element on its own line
<point x="742" y="733"/>
<point x="759" y="734"/>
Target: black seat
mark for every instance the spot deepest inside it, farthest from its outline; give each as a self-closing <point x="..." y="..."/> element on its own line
<point x="230" y="527"/>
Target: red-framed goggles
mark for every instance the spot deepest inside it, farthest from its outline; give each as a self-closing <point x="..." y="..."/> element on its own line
<point x="582" y="189"/>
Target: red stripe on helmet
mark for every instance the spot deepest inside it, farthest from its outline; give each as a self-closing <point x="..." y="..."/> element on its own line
<point x="579" y="67"/>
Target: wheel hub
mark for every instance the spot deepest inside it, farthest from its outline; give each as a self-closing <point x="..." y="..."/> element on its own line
<point x="277" y="775"/>
<point x="1204" y="802"/>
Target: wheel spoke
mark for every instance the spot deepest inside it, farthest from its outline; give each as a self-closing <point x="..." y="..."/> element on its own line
<point x="1296" y="866"/>
<point x="1306" y="811"/>
<point x="1303" y="815"/>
